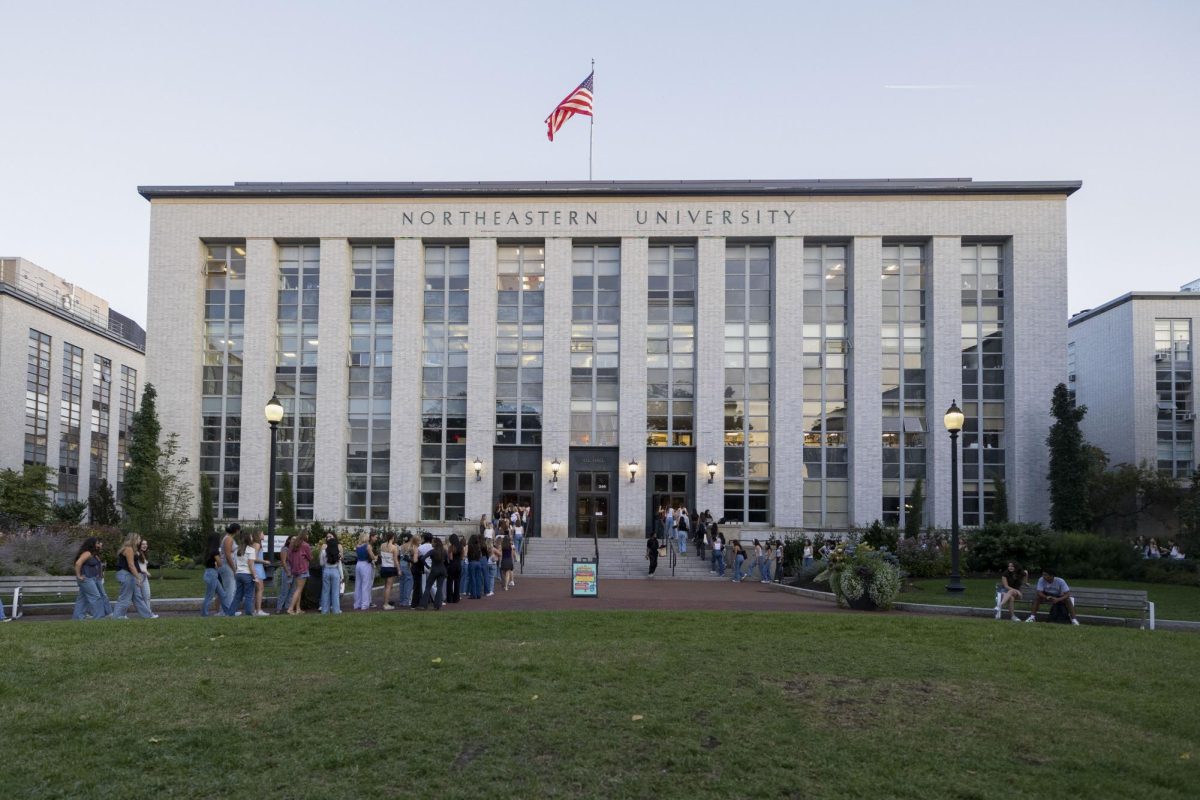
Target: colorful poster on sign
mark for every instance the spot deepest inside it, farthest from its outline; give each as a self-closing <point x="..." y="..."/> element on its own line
<point x="583" y="577"/>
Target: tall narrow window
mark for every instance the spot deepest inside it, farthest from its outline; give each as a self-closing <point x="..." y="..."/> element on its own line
<point x="37" y="398"/>
<point x="983" y="439"/>
<point x="125" y="424"/>
<point x="70" y="417"/>
<point x="595" y="344"/>
<point x="903" y="377"/>
<point x="101" y="412"/>
<point x="826" y="467"/>
<point x="444" y="384"/>
<point x="296" y="368"/>
<point x="1176" y="408"/>
<point x="748" y="342"/>
<point x="519" y="332"/>
<point x="1071" y="367"/>
<point x="368" y="461"/>
<point x="671" y="346"/>
<point x="221" y="400"/>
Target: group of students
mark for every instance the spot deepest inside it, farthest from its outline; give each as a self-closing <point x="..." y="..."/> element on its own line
<point x="133" y="573"/>
<point x="424" y="571"/>
<point x="676" y="526"/>
<point x="1151" y="549"/>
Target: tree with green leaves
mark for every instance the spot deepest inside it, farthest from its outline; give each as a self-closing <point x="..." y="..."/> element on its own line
<point x="141" y="492"/>
<point x="70" y="512"/>
<point x="1189" y="517"/>
<point x="915" y="512"/>
<point x="999" y="502"/>
<point x="1069" y="464"/>
<point x="207" y="523"/>
<point x="102" y="505"/>
<point x="287" y="503"/>
<point x="25" y="495"/>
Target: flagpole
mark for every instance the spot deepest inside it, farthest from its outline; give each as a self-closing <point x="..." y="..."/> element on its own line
<point x="591" y="120"/>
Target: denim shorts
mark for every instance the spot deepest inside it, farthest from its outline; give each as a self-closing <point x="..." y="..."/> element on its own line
<point x="300" y="575"/>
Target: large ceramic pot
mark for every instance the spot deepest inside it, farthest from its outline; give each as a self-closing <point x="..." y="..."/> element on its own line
<point x="864" y="603"/>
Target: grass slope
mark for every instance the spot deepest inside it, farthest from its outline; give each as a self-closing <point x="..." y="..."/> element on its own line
<point x="542" y="705"/>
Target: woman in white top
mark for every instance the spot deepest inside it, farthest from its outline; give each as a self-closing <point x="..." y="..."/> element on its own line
<point x="243" y="575"/>
<point x="389" y="566"/>
<point x="258" y="565"/>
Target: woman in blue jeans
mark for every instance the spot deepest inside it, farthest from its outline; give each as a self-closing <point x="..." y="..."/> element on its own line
<point x="331" y="577"/>
<point x="130" y="579"/>
<point x="212" y="577"/>
<point x="243" y="576"/>
<point x="87" y="575"/>
<point x="739" y="558"/>
<point x="475" y="566"/>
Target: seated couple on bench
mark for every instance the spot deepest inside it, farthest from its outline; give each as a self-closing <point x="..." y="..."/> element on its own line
<point x="1050" y="589"/>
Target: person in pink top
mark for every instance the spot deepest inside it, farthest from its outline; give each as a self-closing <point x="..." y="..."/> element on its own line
<point x="299" y="557"/>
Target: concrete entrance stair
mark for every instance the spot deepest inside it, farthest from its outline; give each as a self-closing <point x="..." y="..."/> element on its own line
<point x="619" y="558"/>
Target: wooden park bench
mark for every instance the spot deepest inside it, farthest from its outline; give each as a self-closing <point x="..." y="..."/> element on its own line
<point x="64" y="586"/>
<point x="1091" y="597"/>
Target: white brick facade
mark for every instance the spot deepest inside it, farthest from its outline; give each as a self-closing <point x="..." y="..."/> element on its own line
<point x="1028" y="220"/>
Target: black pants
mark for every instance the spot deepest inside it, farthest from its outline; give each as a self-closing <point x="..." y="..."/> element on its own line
<point x="653" y="561"/>
<point x="435" y="589"/>
<point x="453" y="581"/>
<point x="418" y="587"/>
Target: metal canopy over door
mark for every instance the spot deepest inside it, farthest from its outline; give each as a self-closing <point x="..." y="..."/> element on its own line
<point x="593" y="505"/>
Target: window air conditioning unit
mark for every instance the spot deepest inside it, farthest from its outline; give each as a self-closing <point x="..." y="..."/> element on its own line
<point x="1188" y="416"/>
<point x="1160" y="356"/>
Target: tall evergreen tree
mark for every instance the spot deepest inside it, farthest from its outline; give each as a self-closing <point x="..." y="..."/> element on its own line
<point x="102" y="505"/>
<point x="207" y="524"/>
<point x="25" y="495"/>
<point x="141" y="488"/>
<point x="1000" y="502"/>
<point x="915" y="513"/>
<point x="1069" y="464"/>
<point x="287" y="503"/>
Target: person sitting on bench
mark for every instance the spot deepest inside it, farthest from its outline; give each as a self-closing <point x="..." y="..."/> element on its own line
<point x="1053" y="590"/>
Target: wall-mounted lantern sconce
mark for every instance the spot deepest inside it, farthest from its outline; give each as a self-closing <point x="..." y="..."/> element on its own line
<point x="555" y="465"/>
<point x="712" y="470"/>
<point x="633" y="468"/>
<point x="478" y="469"/>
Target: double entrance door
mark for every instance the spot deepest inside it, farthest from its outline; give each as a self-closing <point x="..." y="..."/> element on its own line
<point x="667" y="490"/>
<point x="593" y="504"/>
<point x="517" y="488"/>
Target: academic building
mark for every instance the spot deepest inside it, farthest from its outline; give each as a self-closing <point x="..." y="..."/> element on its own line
<point x="1130" y="361"/>
<point x="780" y="353"/>
<point x="69" y="372"/>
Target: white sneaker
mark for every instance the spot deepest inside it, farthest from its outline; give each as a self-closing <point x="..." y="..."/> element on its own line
<point x="237" y="613"/>
<point x="1014" y="618"/>
<point x="1074" y="622"/>
<point x="489" y="594"/>
<point x="6" y="619"/>
<point x="1031" y="618"/>
<point x="261" y="614"/>
<point x="388" y="606"/>
<point x="153" y="616"/>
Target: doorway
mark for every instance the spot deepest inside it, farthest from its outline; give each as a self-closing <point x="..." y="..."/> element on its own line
<point x="593" y="504"/>
<point x="669" y="490"/>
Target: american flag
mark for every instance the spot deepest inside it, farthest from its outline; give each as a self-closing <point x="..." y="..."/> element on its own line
<point x="577" y="102"/>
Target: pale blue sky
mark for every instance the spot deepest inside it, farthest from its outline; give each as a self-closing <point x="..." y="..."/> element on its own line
<point x="96" y="98"/>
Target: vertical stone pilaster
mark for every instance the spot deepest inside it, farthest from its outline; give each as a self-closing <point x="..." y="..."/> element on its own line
<point x="404" y="483"/>
<point x="710" y="374"/>
<point x="258" y="374"/>
<point x="85" y="425"/>
<point x="944" y="321"/>
<point x="333" y="335"/>
<point x="556" y="387"/>
<point x="787" y="447"/>
<point x="634" y="286"/>
<point x="866" y="409"/>
<point x="481" y="376"/>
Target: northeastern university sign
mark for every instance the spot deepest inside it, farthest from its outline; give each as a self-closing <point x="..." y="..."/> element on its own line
<point x="551" y="218"/>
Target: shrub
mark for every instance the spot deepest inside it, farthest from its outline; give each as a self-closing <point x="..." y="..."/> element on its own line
<point x="1182" y="573"/>
<point x="793" y="555"/>
<point x="995" y="544"/>
<point x="1086" y="555"/>
<point x="38" y="554"/>
<point x="881" y="538"/>
<point x="923" y="559"/>
<point x="858" y="570"/>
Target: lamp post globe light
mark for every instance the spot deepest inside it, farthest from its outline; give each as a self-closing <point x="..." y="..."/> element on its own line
<point x="954" y="422"/>
<point x="274" y="415"/>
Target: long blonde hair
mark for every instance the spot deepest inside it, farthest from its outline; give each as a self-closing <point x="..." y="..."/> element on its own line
<point x="131" y="541"/>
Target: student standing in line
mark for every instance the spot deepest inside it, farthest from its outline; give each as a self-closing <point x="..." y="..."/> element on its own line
<point x="506" y="563"/>
<point x="143" y="564"/>
<point x="474" y="566"/>
<point x="454" y="569"/>
<point x="331" y="576"/>
<point x="300" y="556"/>
<point x="228" y="578"/>
<point x="518" y="532"/>
<point x="435" y="582"/>
<point x="718" y="551"/>
<point x="260" y="572"/>
<point x="243" y="573"/>
<point x="491" y="567"/>
<point x="87" y="571"/>
<point x="808" y="553"/>
<point x="212" y="576"/>
<point x="739" y="558"/>
<point x="283" y="577"/>
<point x="683" y="521"/>
<point x="130" y="579"/>
<point x="421" y="567"/>
<point x="407" y="549"/>
<point x="364" y="572"/>
<point x="388" y="558"/>
<point x="652" y="553"/>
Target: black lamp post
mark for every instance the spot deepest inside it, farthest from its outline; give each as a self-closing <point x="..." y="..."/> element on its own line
<point x="274" y="413"/>
<point x="954" y="422"/>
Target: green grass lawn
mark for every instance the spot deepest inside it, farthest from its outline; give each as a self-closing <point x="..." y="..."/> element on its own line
<point x="596" y="704"/>
<point x="1171" y="602"/>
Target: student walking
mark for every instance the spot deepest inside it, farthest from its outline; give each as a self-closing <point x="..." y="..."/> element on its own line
<point x="739" y="557"/>
<point x="331" y="577"/>
<point x="491" y="562"/>
<point x="212" y="577"/>
<point x="389" y="557"/>
<point x="652" y="553"/>
<point x="506" y="563"/>
<point x="300" y="557"/>
<point x="130" y="579"/>
<point x="229" y="544"/>
<point x="718" y="551"/>
<point x="283" y="577"/>
<point x="407" y="551"/>
<point x="364" y="572"/>
<point x="143" y="565"/>
<point x="435" y="582"/>
<point x="87" y="574"/>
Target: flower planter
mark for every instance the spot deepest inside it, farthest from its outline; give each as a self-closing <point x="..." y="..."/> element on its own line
<point x="864" y="603"/>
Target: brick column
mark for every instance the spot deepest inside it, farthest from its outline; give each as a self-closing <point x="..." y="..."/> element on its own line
<point x="787" y="395"/>
<point x="258" y="374"/>
<point x="944" y="318"/>
<point x="866" y="404"/>
<point x="333" y="335"/>
<point x="710" y="374"/>
<point x="635" y="255"/>
<point x="481" y="376"/>
<point x="556" y="387"/>
<point x="404" y="483"/>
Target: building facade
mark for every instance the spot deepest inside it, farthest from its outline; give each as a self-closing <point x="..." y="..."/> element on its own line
<point x="777" y="352"/>
<point x="1130" y="361"/>
<point x="70" y="367"/>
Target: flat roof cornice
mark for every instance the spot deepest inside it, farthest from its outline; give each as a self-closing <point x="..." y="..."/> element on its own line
<point x="1129" y="297"/>
<point x="766" y="188"/>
